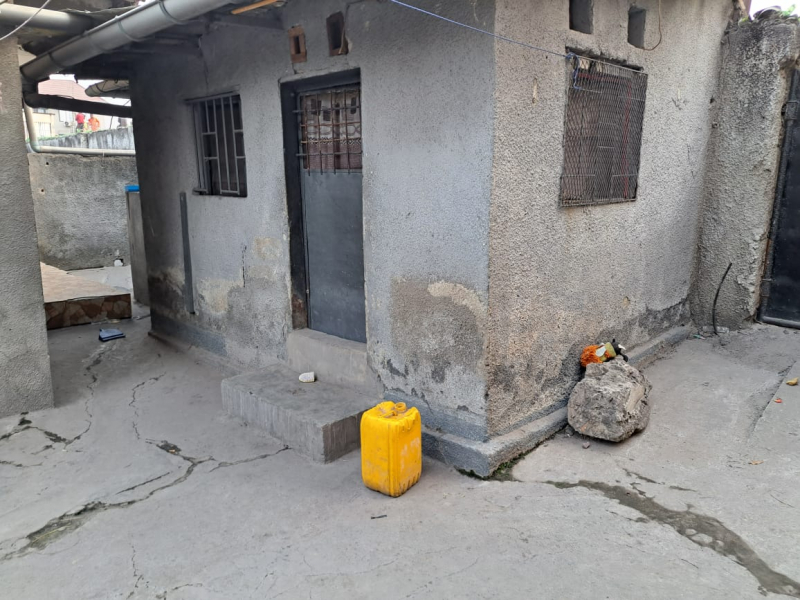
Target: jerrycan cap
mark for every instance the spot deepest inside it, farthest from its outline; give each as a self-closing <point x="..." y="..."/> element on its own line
<point x="395" y="410"/>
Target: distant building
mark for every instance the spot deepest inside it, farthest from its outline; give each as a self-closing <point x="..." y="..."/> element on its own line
<point x="52" y="123"/>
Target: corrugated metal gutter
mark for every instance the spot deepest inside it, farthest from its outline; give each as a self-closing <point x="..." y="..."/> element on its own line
<point x="133" y="26"/>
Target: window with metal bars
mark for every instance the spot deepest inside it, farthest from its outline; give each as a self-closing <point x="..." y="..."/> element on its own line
<point x="330" y="130"/>
<point x="220" y="146"/>
<point x="602" y="132"/>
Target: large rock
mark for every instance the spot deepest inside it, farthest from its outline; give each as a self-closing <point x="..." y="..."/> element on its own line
<point x="610" y="402"/>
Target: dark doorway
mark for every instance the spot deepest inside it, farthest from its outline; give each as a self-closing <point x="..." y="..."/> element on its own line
<point x="324" y="187"/>
<point x="781" y="287"/>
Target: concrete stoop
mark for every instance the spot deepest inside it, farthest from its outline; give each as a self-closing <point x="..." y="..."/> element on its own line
<point x="320" y="420"/>
<point x="483" y="458"/>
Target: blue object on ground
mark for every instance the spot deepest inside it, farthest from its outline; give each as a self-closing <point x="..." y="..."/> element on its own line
<point x="110" y="334"/>
<point x="131" y="188"/>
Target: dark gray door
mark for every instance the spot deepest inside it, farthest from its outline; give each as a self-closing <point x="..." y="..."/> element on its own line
<point x="330" y="179"/>
<point x="781" y="304"/>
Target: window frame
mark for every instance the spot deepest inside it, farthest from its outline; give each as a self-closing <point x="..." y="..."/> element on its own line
<point x="603" y="130"/>
<point x="226" y="144"/>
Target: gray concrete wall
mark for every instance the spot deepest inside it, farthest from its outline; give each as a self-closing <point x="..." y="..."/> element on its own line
<point x="112" y="139"/>
<point x="427" y="122"/>
<point x="562" y="278"/>
<point x="743" y="161"/>
<point x="81" y="215"/>
<point x="24" y="358"/>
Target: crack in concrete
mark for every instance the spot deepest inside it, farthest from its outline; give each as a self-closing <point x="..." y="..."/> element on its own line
<point x="138" y="485"/>
<point x="138" y="576"/>
<point x="66" y="523"/>
<point x="636" y="475"/>
<point x="223" y="464"/>
<point x="163" y="595"/>
<point x="697" y="528"/>
<point x="18" y="465"/>
<point x="133" y="405"/>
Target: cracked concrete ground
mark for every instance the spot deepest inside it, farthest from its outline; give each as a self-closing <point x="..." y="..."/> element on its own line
<point x="138" y="486"/>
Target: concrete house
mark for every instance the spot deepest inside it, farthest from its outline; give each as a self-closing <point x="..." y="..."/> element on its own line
<point x="420" y="211"/>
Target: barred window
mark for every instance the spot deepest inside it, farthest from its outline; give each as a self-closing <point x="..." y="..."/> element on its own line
<point x="602" y="132"/>
<point x="220" y="146"/>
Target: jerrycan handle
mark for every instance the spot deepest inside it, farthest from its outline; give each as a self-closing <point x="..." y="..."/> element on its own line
<point x="398" y="409"/>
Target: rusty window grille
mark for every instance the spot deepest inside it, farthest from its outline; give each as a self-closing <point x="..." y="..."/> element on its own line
<point x="330" y="130"/>
<point x="220" y="146"/>
<point x="602" y="132"/>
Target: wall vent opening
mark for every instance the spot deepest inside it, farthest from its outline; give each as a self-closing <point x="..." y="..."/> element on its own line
<point x="337" y="42"/>
<point x="636" y="23"/>
<point x="297" y="44"/>
<point x="581" y="15"/>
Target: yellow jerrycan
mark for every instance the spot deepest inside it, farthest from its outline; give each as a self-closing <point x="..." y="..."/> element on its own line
<point x="391" y="448"/>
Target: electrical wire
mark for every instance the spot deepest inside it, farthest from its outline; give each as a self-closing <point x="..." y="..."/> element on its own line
<point x="568" y="55"/>
<point x="494" y="35"/>
<point x="25" y="22"/>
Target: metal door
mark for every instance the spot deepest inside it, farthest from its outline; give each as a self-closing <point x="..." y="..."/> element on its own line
<point x="781" y="287"/>
<point x="329" y="124"/>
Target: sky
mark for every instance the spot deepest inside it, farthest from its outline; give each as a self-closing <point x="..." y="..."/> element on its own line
<point x="757" y="5"/>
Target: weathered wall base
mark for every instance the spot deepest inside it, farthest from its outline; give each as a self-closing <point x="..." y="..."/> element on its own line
<point x="743" y="159"/>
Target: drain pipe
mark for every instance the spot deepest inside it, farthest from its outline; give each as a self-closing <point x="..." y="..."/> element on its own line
<point x="39" y="149"/>
<point x="110" y="88"/>
<point x="51" y="20"/>
<point x="133" y="26"/>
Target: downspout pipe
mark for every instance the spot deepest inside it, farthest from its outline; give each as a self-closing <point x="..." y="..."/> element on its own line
<point x="35" y="100"/>
<point x="133" y="26"/>
<point x="39" y="149"/>
<point x="51" y="20"/>
<point x="110" y="88"/>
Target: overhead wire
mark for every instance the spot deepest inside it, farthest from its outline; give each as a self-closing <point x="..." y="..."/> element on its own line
<point x="25" y="22"/>
<point x="494" y="35"/>
<point x="567" y="55"/>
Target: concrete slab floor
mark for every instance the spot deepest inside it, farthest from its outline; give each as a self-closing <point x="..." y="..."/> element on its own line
<point x="138" y="486"/>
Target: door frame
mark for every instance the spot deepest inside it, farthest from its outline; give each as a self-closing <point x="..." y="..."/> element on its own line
<point x="791" y="114"/>
<point x="298" y="260"/>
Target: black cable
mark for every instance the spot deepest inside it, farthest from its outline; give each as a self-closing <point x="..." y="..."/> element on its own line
<point x="716" y="297"/>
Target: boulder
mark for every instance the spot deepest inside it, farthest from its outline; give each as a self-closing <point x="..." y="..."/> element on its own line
<point x="610" y="402"/>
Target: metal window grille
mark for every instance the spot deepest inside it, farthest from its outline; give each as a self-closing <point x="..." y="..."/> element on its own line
<point x="602" y="133"/>
<point x="330" y="130"/>
<point x="220" y="146"/>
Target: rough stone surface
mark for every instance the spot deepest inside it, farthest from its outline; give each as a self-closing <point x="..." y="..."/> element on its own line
<point x="24" y="359"/>
<point x="81" y="213"/>
<point x="611" y="401"/>
<point x="550" y="293"/>
<point x="742" y="170"/>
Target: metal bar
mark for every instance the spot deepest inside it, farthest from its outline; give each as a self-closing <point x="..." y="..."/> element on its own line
<point x="319" y="132"/>
<point x="188" y="279"/>
<point x="216" y="140"/>
<point x="225" y="144"/>
<point x="235" y="153"/>
<point x="781" y="322"/>
<point x="200" y="144"/>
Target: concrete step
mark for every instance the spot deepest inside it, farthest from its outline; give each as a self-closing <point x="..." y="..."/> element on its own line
<point x="319" y="420"/>
<point x="333" y="359"/>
